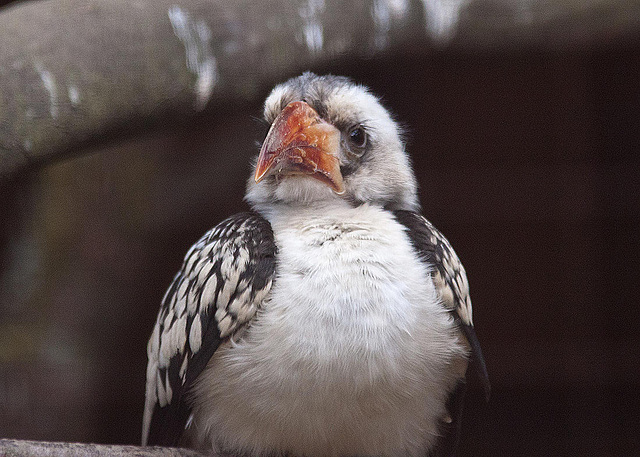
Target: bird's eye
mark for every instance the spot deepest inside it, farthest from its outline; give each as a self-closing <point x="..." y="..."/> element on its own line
<point x="358" y="137"/>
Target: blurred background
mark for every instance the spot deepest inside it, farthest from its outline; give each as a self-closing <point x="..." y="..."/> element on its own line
<point x="528" y="160"/>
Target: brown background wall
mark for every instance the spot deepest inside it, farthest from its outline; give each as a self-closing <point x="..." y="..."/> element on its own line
<point x="527" y="160"/>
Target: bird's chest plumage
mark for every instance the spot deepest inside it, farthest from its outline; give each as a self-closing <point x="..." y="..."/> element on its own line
<point x="348" y="353"/>
<point x="342" y="293"/>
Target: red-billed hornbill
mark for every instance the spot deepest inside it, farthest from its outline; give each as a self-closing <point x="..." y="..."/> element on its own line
<point x="334" y="320"/>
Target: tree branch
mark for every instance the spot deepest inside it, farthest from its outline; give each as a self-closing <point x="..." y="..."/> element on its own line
<point x="20" y="448"/>
<point x="75" y="73"/>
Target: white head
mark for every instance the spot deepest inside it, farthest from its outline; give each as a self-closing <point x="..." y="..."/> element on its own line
<point x="340" y="143"/>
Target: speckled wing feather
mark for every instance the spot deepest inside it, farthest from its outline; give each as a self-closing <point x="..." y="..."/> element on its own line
<point x="450" y="280"/>
<point x="224" y="278"/>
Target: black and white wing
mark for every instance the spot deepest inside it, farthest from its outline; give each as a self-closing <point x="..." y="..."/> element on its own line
<point x="222" y="283"/>
<point x="450" y="280"/>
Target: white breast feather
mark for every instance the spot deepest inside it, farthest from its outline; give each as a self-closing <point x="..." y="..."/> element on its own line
<point x="349" y="355"/>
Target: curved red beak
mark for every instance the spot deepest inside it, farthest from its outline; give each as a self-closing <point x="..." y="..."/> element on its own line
<point x="301" y="142"/>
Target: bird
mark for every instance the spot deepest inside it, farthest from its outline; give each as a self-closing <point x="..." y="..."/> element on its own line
<point x="332" y="319"/>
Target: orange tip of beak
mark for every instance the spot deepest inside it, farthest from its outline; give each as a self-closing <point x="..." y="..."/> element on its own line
<point x="301" y="142"/>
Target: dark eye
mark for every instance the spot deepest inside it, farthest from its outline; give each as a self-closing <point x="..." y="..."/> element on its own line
<point x="358" y="137"/>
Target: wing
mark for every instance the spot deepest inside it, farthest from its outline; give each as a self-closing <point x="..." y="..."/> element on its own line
<point x="451" y="283"/>
<point x="222" y="282"/>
